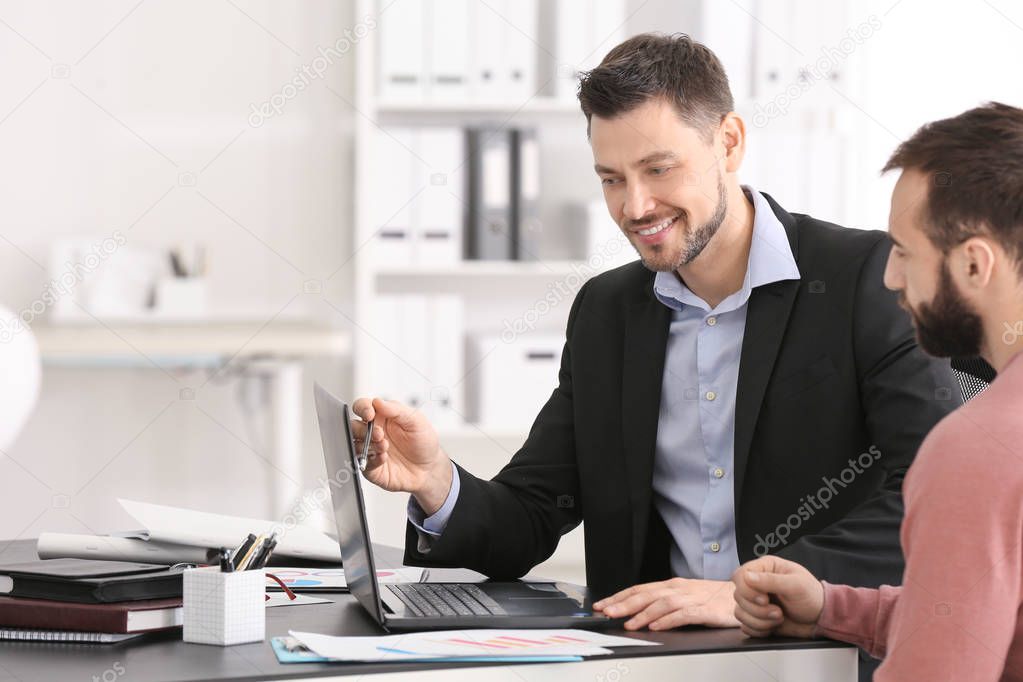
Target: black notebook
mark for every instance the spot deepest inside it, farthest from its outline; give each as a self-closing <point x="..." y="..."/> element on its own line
<point x="89" y="581"/>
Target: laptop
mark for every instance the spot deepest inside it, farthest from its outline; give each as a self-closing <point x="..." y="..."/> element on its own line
<point x="429" y="606"/>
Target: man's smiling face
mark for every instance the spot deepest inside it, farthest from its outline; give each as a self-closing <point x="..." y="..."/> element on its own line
<point x="662" y="181"/>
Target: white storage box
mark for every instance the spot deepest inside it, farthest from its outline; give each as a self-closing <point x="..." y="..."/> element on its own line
<point x="513" y="377"/>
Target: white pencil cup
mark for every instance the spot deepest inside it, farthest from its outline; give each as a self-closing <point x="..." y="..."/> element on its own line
<point x="224" y="608"/>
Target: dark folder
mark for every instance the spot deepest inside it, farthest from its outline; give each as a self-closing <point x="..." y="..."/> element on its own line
<point x="89" y="581"/>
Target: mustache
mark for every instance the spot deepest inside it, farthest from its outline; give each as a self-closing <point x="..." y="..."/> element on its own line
<point x="645" y="222"/>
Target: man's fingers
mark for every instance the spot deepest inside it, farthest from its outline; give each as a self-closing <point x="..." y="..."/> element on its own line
<point x="764" y="626"/>
<point x="628" y="592"/>
<point x="783" y="584"/>
<point x="754" y="632"/>
<point x="669" y="603"/>
<point x="766" y="611"/>
<point x="375" y="448"/>
<point x="616" y="597"/>
<point x="359" y="431"/>
<point x="403" y="415"/>
<point x="636" y="603"/>
<point x="363" y="408"/>
<point x="376" y="462"/>
<point x="745" y="590"/>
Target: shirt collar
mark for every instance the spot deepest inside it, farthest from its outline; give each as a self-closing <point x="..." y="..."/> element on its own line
<point x="770" y="260"/>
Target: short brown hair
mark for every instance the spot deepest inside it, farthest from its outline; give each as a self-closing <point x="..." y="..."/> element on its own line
<point x="976" y="163"/>
<point x="654" y="65"/>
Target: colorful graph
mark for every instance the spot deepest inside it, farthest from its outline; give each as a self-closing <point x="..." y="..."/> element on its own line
<point x="514" y="642"/>
<point x="312" y="577"/>
<point x="334" y="578"/>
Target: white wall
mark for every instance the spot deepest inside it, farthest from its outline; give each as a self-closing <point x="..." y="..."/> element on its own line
<point x="107" y="107"/>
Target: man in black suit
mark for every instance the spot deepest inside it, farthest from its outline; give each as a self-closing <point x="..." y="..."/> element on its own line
<point x="751" y="387"/>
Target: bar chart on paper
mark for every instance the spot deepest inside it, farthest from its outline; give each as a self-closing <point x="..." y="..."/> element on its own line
<point x="475" y="644"/>
<point x="504" y="642"/>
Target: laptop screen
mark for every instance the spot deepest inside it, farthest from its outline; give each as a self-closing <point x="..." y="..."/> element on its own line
<point x="346" y="497"/>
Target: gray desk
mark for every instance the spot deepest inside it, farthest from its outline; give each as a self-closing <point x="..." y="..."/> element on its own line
<point x="693" y="655"/>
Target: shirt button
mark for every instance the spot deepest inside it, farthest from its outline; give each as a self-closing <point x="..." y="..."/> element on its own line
<point x="719" y="472"/>
<point x="711" y="395"/>
<point x="711" y="321"/>
<point x="715" y="547"/>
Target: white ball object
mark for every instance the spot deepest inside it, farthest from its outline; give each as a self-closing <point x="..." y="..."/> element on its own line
<point x="21" y="371"/>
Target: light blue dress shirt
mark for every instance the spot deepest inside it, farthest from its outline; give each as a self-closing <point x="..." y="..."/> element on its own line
<point x="693" y="481"/>
<point x="693" y="478"/>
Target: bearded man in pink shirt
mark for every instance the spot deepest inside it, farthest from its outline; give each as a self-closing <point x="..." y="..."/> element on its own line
<point x="957" y="228"/>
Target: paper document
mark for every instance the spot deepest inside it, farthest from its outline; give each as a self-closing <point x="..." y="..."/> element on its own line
<point x="173" y="534"/>
<point x="465" y="643"/>
<point x="333" y="579"/>
<point x="290" y="650"/>
<point x="281" y="599"/>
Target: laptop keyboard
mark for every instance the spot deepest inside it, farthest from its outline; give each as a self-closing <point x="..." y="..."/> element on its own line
<point x="443" y="599"/>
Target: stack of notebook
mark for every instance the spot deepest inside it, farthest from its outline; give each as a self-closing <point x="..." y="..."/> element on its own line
<point x="79" y="600"/>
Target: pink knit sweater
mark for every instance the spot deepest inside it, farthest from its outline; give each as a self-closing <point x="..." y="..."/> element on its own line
<point x="957" y="614"/>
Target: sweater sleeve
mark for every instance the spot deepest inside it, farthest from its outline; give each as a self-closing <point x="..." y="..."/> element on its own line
<point x="858" y="615"/>
<point x="955" y="617"/>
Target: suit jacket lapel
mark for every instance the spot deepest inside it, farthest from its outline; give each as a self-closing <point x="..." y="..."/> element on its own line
<point x="646" y="338"/>
<point x="767" y="316"/>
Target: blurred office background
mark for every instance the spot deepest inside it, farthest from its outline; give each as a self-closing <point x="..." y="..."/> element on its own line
<point x="207" y="205"/>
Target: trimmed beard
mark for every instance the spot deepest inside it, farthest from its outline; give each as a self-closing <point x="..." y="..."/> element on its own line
<point x="948" y="326"/>
<point x="697" y="240"/>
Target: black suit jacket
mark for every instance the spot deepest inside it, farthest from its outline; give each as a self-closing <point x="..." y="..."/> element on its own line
<point x="829" y="370"/>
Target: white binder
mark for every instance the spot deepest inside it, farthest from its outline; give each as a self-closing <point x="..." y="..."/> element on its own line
<point x="441" y="205"/>
<point x="401" y="51"/>
<point x="585" y="31"/>
<point x="521" y="47"/>
<point x="488" y="30"/>
<point x="447" y="44"/>
<point x="394" y="166"/>
<point x="446" y="350"/>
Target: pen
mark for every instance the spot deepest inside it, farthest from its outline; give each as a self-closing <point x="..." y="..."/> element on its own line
<point x="244" y="564"/>
<point x="262" y="553"/>
<point x="365" y="446"/>
<point x="264" y="559"/>
<point x="239" y="553"/>
<point x="225" y="561"/>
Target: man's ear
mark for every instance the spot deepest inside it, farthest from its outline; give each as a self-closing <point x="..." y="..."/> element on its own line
<point x="975" y="261"/>
<point x="733" y="135"/>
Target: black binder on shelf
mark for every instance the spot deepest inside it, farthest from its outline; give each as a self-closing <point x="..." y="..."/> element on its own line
<point x="488" y="219"/>
<point x="527" y="230"/>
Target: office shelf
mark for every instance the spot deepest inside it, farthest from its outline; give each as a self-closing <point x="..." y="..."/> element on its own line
<point x="538" y="105"/>
<point x="183" y="343"/>
<point x="493" y="268"/>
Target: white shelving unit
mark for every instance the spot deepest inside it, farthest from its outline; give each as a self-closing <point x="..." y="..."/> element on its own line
<point x="517" y="284"/>
<point x="469" y="278"/>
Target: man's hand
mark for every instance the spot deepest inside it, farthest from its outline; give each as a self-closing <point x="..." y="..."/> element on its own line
<point x="777" y="596"/>
<point x="404" y="453"/>
<point x="673" y="603"/>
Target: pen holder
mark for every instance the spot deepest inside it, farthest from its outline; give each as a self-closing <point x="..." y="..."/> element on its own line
<point x="224" y="608"/>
